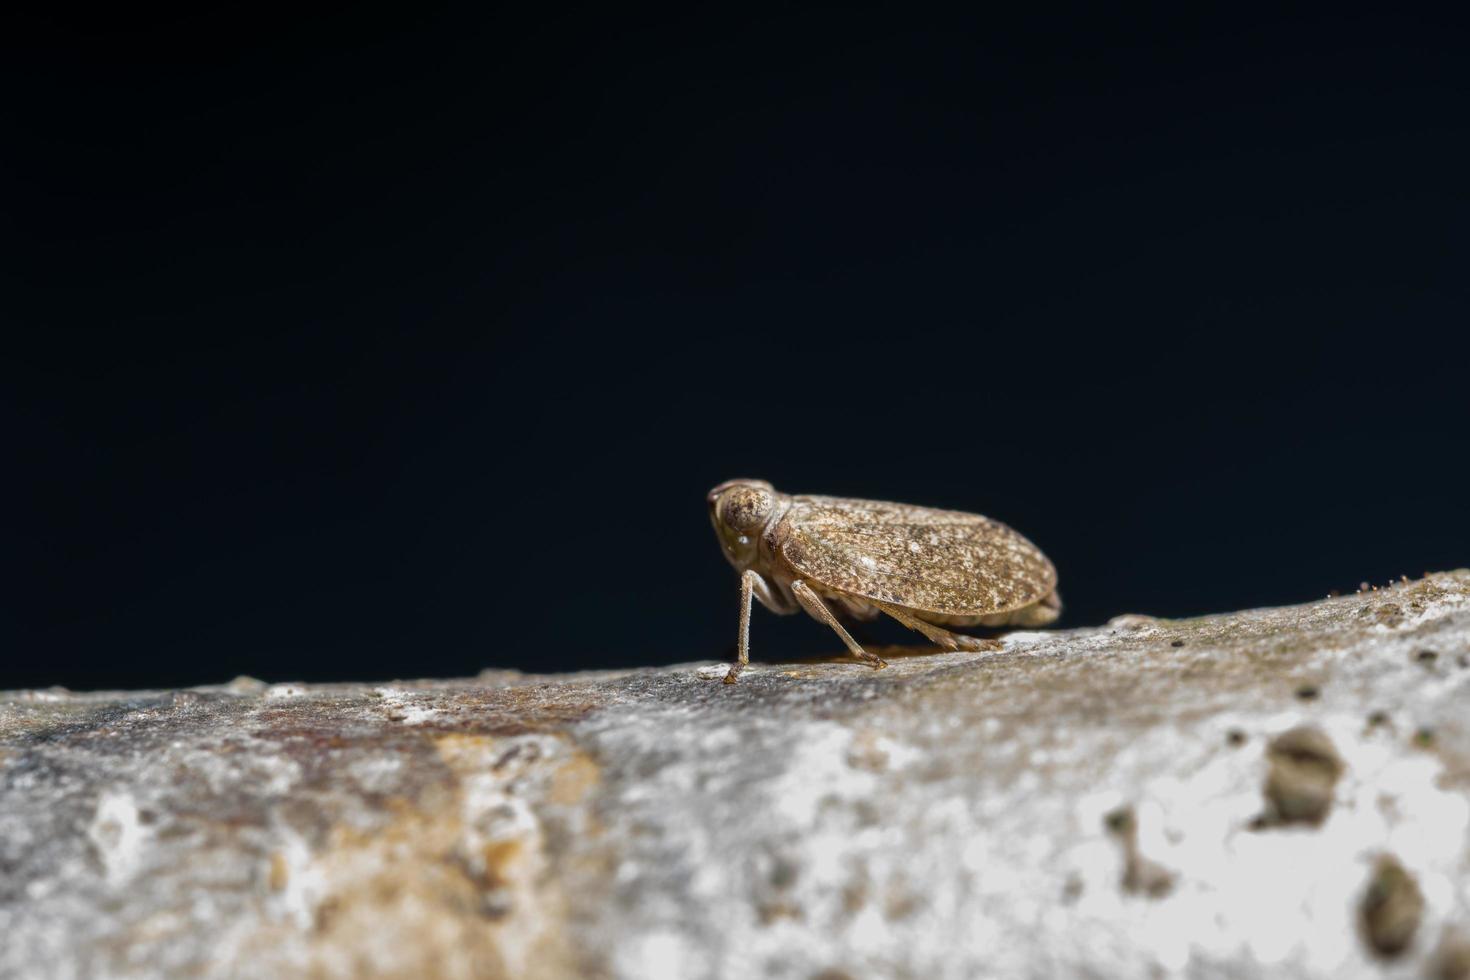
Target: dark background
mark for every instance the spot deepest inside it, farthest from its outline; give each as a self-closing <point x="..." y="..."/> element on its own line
<point x="367" y="343"/>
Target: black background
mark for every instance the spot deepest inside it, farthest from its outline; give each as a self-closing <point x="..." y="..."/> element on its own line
<point x="368" y="343"/>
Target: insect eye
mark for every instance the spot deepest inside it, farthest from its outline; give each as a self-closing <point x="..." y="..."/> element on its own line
<point x="745" y="509"/>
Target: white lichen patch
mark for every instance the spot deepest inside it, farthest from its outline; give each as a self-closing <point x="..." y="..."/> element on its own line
<point x="118" y="835"/>
<point x="296" y="882"/>
<point x="408" y="707"/>
<point x="1279" y="897"/>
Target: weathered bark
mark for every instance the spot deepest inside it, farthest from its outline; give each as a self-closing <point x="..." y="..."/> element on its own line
<point x="1280" y="791"/>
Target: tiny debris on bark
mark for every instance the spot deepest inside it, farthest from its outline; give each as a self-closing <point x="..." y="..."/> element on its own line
<point x="1392" y="907"/>
<point x="1451" y="961"/>
<point x="1140" y="874"/>
<point x="1304" y="769"/>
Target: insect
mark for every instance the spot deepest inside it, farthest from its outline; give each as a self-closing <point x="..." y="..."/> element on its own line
<point x="836" y="557"/>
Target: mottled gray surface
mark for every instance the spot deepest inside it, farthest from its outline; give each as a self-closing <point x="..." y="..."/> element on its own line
<point x="1278" y="792"/>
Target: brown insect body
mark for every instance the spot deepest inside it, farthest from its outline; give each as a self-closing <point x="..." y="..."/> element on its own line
<point x="924" y="567"/>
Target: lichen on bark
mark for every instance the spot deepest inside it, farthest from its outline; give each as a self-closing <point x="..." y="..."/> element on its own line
<point x="1146" y="797"/>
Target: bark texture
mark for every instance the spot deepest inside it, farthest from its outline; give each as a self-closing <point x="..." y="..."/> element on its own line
<point x="1278" y="791"/>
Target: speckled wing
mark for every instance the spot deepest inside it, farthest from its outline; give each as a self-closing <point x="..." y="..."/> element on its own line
<point x="937" y="561"/>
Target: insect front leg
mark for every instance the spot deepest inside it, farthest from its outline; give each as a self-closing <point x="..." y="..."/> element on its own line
<point x="942" y="637"/>
<point x="749" y="581"/>
<point x="814" y="605"/>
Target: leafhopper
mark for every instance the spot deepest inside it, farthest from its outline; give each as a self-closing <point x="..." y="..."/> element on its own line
<point x="837" y="558"/>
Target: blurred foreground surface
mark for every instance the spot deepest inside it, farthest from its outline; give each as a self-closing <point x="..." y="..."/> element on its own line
<point x="1271" y="792"/>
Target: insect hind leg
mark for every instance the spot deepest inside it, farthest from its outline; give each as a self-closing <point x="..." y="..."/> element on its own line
<point x="1043" y="612"/>
<point x="935" y="634"/>
<point x="814" y="605"/>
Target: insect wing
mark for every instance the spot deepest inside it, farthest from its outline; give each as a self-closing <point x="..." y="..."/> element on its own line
<point x="938" y="561"/>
